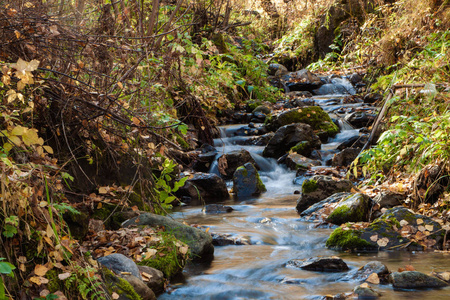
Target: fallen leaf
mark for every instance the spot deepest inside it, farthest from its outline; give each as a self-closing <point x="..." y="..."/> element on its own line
<point x="374" y="238"/>
<point x="383" y="242"/>
<point x="419" y="221"/>
<point x="146" y="276"/>
<point x="373" y="278"/>
<point x="365" y="285"/>
<point x="115" y="296"/>
<point x="421" y="228"/>
<point x="409" y="268"/>
<point x="403" y="223"/>
<point x="64" y="276"/>
<point x="429" y="227"/>
<point x="40" y="270"/>
<point x="103" y="189"/>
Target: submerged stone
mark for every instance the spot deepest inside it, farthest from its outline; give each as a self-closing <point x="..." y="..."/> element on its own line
<point x="355" y="208"/>
<point x="322" y="264"/>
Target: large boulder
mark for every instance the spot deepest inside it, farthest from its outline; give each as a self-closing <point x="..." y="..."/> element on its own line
<point x="296" y="161"/>
<point x="120" y="263"/>
<point x="415" y="280"/>
<point x="246" y="181"/>
<point x="355" y="208"/>
<point x="204" y="186"/>
<point x="200" y="243"/>
<point x="318" y="188"/>
<point x="322" y="264"/>
<point x="288" y="136"/>
<point x="229" y="162"/>
<point x="396" y="229"/>
<point x="389" y="199"/>
<point x="314" y="116"/>
<point x="116" y="285"/>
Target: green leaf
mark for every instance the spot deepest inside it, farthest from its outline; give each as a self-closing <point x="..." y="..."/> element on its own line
<point x="9" y="231"/>
<point x="250" y="88"/>
<point x="240" y="82"/>
<point x="6" y="267"/>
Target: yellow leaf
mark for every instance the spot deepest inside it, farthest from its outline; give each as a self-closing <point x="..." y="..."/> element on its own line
<point x="21" y="85"/>
<point x="30" y="137"/>
<point x="18" y="130"/>
<point x="429" y="227"/>
<point x="120" y="85"/>
<point x="103" y="189"/>
<point x="419" y="221"/>
<point x="115" y="296"/>
<point x="40" y="270"/>
<point x="207" y="229"/>
<point x="150" y="253"/>
<point x="48" y="149"/>
<point x="40" y="150"/>
<point x="18" y="34"/>
<point x="383" y="242"/>
<point x="15" y="140"/>
<point x="374" y="238"/>
<point x="40" y="141"/>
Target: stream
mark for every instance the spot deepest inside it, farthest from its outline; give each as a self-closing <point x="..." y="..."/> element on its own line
<point x="272" y="225"/>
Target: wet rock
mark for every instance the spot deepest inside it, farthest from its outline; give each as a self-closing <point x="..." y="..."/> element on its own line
<point x="277" y="70"/>
<point x="262" y="109"/>
<point x="153" y="278"/>
<point x="397" y="228"/>
<point x="360" y="119"/>
<point x="363" y="273"/>
<point x="334" y="89"/>
<point x="207" y="186"/>
<point x="120" y="263"/>
<point x="318" y="188"/>
<point x="246" y="181"/>
<point x="388" y="199"/>
<point x="302" y="80"/>
<point x="355" y="78"/>
<point x="229" y="162"/>
<point x="356" y="141"/>
<point x="222" y="239"/>
<point x="296" y="161"/>
<point x="414" y="280"/>
<point x="258" y="117"/>
<point x="140" y="287"/>
<point x="445" y="276"/>
<point x="372" y="97"/>
<point x="241" y="117"/>
<point x="288" y="136"/>
<point x="259" y="140"/>
<point x="200" y="243"/>
<point x="314" y="116"/>
<point x="345" y="157"/>
<point x="364" y="291"/>
<point x="355" y="208"/>
<point x="322" y="264"/>
<point x="217" y="209"/>
<point x="315" y="211"/>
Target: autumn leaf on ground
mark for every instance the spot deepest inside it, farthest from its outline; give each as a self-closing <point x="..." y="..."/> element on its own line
<point x="383" y="242"/>
<point x="40" y="270"/>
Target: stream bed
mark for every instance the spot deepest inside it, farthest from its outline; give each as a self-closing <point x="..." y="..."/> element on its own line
<point x="276" y="234"/>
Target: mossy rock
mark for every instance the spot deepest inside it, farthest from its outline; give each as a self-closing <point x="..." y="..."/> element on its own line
<point x="385" y="233"/>
<point x="314" y="116"/>
<point x="302" y="148"/>
<point x="341" y="239"/>
<point x="120" y="286"/>
<point x="355" y="208"/>
<point x="246" y="181"/>
<point x="168" y="258"/>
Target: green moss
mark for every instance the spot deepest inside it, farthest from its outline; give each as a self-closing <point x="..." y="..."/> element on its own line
<point x="301" y="147"/>
<point x="182" y="142"/>
<point x="119" y="285"/>
<point x="340" y="215"/>
<point x="53" y="281"/>
<point x="243" y="170"/>
<point x="309" y="186"/>
<point x="167" y="259"/>
<point x="347" y="240"/>
<point x="259" y="184"/>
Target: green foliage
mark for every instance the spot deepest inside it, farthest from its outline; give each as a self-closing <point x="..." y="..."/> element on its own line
<point x="165" y="186"/>
<point x="83" y="283"/>
<point x="10" y="227"/>
<point x="418" y="136"/>
<point x="7" y="269"/>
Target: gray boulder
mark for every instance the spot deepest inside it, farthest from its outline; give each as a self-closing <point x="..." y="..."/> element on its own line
<point x="246" y="181"/>
<point x="290" y="135"/>
<point x="217" y="209"/>
<point x="355" y="208"/>
<point x="200" y="243"/>
<point x="315" y="211"/>
<point x="414" y="280"/>
<point x="318" y="188"/>
<point x="229" y="162"/>
<point x="365" y="292"/>
<point x="120" y="263"/>
<point x="302" y="80"/>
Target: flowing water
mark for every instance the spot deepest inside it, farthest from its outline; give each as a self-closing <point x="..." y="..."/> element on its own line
<point x="270" y="222"/>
